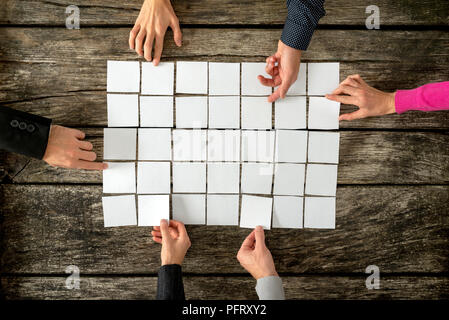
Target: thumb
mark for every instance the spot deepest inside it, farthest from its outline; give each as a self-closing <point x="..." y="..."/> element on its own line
<point x="260" y="237"/>
<point x="164" y="231"/>
<point x="177" y="34"/>
<point x="283" y="89"/>
<point x="351" y="116"/>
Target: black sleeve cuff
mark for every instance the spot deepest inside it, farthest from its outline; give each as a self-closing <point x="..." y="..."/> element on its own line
<point x="169" y="283"/>
<point x="23" y="132"/>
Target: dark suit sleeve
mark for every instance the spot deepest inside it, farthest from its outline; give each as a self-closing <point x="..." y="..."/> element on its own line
<point x="169" y="283"/>
<point x="23" y="132"/>
<point x="302" y="19"/>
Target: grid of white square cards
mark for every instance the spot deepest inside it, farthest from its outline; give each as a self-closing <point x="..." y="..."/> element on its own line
<point x="213" y="149"/>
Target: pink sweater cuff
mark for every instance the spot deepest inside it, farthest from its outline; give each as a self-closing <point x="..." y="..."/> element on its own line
<point x="404" y="100"/>
<point x="430" y="97"/>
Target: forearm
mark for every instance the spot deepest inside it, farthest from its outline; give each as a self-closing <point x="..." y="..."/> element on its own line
<point x="302" y="19"/>
<point x="23" y="132"/>
<point x="430" y="97"/>
<point x="169" y="283"/>
<point x="270" y="288"/>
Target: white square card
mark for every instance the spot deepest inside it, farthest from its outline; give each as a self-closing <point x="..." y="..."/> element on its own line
<point x="119" y="211"/>
<point x="256" y="211"/>
<point x="123" y="110"/>
<point x="119" y="144"/>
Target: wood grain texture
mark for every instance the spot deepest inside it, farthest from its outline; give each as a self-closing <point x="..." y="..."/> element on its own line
<point x="366" y="157"/>
<point x="72" y="92"/>
<point x="225" y="288"/>
<point x="400" y="229"/>
<point x="210" y="12"/>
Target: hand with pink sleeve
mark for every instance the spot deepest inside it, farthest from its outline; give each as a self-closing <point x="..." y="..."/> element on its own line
<point x="372" y="102"/>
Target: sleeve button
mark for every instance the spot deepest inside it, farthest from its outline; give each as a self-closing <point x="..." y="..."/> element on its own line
<point x="31" y="128"/>
<point x="22" y="126"/>
<point x="14" y="123"/>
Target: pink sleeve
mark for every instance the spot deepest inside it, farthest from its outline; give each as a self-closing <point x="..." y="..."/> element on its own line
<point x="430" y="97"/>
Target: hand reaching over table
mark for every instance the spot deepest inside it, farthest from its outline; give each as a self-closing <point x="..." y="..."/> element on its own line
<point x="66" y="149"/>
<point x="150" y="28"/>
<point x="371" y="102"/>
<point x="174" y="239"/>
<point x="283" y="67"/>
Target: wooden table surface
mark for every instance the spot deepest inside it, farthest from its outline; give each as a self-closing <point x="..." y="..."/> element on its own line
<point x="393" y="179"/>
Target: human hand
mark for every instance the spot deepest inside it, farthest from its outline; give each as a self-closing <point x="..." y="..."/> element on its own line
<point x="371" y="102"/>
<point x="174" y="239"/>
<point x="66" y="149"/>
<point x="283" y="67"/>
<point x="151" y="24"/>
<point x="255" y="257"/>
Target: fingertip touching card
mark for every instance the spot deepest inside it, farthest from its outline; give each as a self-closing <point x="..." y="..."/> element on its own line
<point x="198" y="142"/>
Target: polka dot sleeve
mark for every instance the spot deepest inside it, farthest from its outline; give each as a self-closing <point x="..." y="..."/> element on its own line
<point x="302" y="19"/>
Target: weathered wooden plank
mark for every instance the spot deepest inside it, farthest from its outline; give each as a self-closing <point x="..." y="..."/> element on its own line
<point x="366" y="157"/>
<point x="225" y="288"/>
<point x="93" y="46"/>
<point x="85" y="109"/>
<point x="107" y="12"/>
<point x="54" y="72"/>
<point x="400" y="229"/>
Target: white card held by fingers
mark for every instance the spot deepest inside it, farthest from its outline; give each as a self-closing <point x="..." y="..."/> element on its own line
<point x="120" y="144"/>
<point x="319" y="212"/>
<point x="287" y="212"/>
<point x="119" y="211"/>
<point x="158" y="80"/>
<point x="189" y="208"/>
<point x="256" y="211"/>
<point x="323" y="113"/>
<point x="156" y="111"/>
<point x="222" y="210"/>
<point x="224" y="79"/>
<point x="153" y="208"/>
<point x="251" y="85"/>
<point x="123" y="76"/>
<point x="123" y="110"/>
<point x="119" y="177"/>
<point x="191" y="77"/>
<point x="323" y="78"/>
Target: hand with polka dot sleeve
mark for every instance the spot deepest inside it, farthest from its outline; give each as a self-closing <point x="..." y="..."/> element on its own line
<point x="283" y="66"/>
